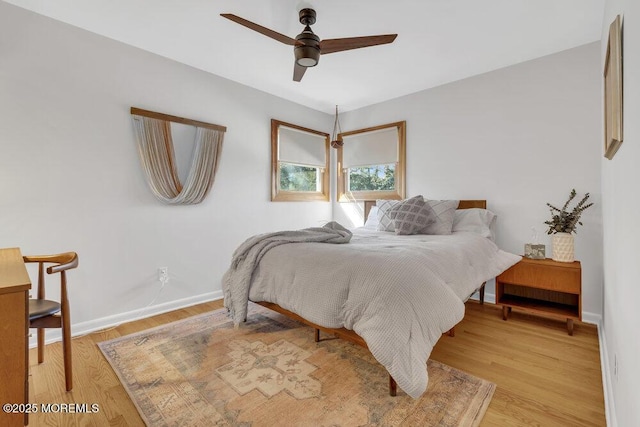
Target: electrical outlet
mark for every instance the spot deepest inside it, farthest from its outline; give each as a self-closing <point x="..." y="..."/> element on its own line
<point x="163" y="274"/>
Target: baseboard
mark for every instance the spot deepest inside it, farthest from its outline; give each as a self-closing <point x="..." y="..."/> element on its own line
<point x="607" y="384"/>
<point x="488" y="298"/>
<point x="592" y="318"/>
<point x="83" y="328"/>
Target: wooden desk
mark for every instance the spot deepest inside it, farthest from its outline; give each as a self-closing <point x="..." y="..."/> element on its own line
<point x="14" y="331"/>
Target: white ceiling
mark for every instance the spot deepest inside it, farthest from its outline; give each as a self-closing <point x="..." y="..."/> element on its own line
<point x="439" y="41"/>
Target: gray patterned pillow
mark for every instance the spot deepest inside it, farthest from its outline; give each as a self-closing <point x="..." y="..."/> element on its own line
<point x="412" y="215"/>
<point x="445" y="211"/>
<point x="385" y="222"/>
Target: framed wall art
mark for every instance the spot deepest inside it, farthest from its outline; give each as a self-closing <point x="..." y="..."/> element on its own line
<point x="613" y="90"/>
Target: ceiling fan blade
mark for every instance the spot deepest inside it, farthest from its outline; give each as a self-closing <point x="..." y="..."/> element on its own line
<point x="298" y="72"/>
<point x="338" y="45"/>
<point x="259" y="28"/>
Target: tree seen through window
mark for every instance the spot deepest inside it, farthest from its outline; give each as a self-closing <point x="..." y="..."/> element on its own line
<point x="372" y="178"/>
<point x="298" y="178"/>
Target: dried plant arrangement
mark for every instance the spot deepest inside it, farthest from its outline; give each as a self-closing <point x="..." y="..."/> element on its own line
<point x="563" y="221"/>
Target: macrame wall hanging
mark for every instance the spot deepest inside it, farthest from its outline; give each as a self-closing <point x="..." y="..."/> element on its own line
<point x="155" y="146"/>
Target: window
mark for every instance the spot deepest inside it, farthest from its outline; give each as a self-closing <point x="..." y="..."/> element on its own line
<point x="371" y="163"/>
<point x="300" y="163"/>
<point x="299" y="177"/>
<point x="372" y="178"/>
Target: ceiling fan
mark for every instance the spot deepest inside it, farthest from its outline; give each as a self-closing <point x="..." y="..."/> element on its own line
<point x="307" y="46"/>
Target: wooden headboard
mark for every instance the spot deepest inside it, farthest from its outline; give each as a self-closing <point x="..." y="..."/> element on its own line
<point x="464" y="204"/>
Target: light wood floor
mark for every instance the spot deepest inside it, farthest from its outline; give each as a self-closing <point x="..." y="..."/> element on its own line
<point x="544" y="376"/>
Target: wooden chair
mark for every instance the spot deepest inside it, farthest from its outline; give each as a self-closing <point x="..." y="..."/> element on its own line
<point x="45" y="313"/>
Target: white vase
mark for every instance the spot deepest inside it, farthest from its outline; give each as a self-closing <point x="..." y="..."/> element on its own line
<point x="562" y="247"/>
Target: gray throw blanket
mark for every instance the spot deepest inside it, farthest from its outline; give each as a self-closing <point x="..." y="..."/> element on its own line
<point x="237" y="280"/>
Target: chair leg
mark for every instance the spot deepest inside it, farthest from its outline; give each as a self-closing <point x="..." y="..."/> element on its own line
<point x="66" y="350"/>
<point x="40" y="345"/>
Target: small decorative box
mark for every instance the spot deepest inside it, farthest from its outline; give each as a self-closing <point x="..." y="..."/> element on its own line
<point x="534" y="251"/>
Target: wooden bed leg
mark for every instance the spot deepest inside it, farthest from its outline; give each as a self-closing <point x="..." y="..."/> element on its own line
<point x="452" y="332"/>
<point x="393" y="387"/>
<point x="482" y="293"/>
<point x="317" y="335"/>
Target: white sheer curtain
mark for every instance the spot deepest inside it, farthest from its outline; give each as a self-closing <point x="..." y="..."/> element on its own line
<point x="155" y="147"/>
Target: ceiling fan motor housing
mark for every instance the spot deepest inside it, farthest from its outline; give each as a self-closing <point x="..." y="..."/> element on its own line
<point x="307" y="52"/>
<point x="307" y="16"/>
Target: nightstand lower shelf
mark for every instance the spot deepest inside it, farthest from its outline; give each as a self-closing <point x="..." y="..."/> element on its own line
<point x="534" y="306"/>
<point x="551" y="309"/>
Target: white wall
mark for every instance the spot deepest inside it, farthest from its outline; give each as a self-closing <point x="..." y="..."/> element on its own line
<point x="620" y="178"/>
<point x="519" y="137"/>
<point x="70" y="178"/>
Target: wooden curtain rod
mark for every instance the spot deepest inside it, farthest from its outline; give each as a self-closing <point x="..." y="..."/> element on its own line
<point x="175" y="119"/>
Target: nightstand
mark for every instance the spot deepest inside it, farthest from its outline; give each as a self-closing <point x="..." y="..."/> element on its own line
<point x="542" y="286"/>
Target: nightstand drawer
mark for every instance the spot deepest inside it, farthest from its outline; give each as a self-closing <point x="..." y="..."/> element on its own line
<point x="544" y="276"/>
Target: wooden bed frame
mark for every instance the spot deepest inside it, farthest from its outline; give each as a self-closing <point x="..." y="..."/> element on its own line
<point x="348" y="334"/>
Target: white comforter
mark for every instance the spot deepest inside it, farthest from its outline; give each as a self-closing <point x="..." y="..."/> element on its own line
<point x="399" y="293"/>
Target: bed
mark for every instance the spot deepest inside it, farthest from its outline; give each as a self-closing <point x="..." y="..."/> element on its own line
<point x="395" y="295"/>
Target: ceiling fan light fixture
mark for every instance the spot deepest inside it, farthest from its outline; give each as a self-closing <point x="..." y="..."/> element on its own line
<point x="307" y="50"/>
<point x="307" y="57"/>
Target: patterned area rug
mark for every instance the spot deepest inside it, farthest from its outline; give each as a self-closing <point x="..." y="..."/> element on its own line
<point x="269" y="372"/>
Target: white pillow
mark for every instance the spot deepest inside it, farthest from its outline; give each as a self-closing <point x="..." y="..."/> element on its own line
<point x="445" y="211"/>
<point x="475" y="220"/>
<point x="372" y="220"/>
<point x="385" y="221"/>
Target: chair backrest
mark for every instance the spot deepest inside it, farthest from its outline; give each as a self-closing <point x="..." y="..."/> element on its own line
<point x="63" y="262"/>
